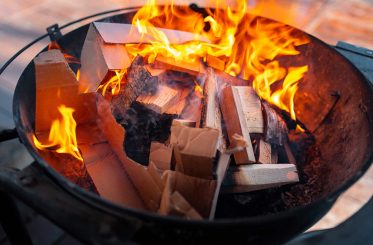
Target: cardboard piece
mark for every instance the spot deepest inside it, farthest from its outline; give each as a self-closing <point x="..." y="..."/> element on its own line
<point x="160" y="155"/>
<point x="176" y="205"/>
<point x="196" y="191"/>
<point x="246" y="178"/>
<point x="144" y="183"/>
<point x="98" y="57"/>
<point x="236" y="124"/>
<point x="56" y="84"/>
<point x="194" y="150"/>
<point x="183" y="122"/>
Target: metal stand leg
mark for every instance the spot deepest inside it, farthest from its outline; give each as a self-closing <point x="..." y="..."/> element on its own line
<point x="12" y="222"/>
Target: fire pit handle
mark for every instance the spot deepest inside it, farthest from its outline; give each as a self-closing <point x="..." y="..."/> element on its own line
<point x="85" y="222"/>
<point x="8" y="134"/>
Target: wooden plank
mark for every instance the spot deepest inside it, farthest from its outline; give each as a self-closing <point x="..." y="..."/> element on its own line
<point x="259" y="176"/>
<point x="265" y="152"/>
<point x="56" y="84"/>
<point x="170" y="63"/>
<point x="235" y="124"/>
<point x="215" y="62"/>
<point x="211" y="115"/>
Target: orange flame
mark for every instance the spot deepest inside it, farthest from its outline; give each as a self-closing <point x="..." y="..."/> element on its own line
<point x="62" y="135"/>
<point x="113" y="84"/>
<point x="249" y="44"/>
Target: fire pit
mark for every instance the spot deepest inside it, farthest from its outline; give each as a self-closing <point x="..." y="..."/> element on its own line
<point x="324" y="116"/>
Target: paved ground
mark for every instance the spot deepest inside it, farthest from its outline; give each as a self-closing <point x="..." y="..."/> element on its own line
<point x="23" y="20"/>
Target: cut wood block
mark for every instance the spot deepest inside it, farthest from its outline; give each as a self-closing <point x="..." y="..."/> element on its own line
<point x="265" y="152"/>
<point x="162" y="101"/>
<point x="56" y="84"/>
<point x="98" y="58"/>
<point x="276" y="131"/>
<point x="196" y="191"/>
<point x="259" y="176"/>
<point x="139" y="81"/>
<point x="170" y="63"/>
<point x="194" y="150"/>
<point x="144" y="183"/>
<point x="179" y="106"/>
<point x="116" y="33"/>
<point x="215" y="62"/>
<point x="176" y="205"/>
<point x="211" y="115"/>
<point x="160" y="155"/>
<point x="236" y="123"/>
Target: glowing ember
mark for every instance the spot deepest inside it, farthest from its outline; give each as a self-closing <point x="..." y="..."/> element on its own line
<point x="62" y="135"/>
<point x="248" y="43"/>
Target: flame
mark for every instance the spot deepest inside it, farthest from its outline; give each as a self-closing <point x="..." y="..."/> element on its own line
<point x="198" y="90"/>
<point x="249" y="44"/>
<point x="113" y="84"/>
<point x="62" y="135"/>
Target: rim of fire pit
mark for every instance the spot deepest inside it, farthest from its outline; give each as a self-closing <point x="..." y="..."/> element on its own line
<point x="123" y="211"/>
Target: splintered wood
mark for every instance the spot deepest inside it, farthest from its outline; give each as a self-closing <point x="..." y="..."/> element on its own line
<point x="163" y="100"/>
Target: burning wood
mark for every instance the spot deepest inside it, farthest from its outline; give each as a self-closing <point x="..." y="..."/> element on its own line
<point x="99" y="57"/>
<point x="168" y="63"/>
<point x="139" y="81"/>
<point x="162" y="101"/>
<point x="215" y="62"/>
<point x="259" y="176"/>
<point x="276" y="131"/>
<point x="56" y="85"/>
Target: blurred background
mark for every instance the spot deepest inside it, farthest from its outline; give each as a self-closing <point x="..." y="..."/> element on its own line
<point x="21" y="21"/>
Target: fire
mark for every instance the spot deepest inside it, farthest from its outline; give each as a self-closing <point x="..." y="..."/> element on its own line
<point x="113" y="84"/>
<point x="62" y="135"/>
<point x="69" y="58"/>
<point x="248" y="43"/>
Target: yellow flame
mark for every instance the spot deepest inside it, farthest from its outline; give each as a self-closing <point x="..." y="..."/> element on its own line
<point x="62" y="135"/>
<point x="113" y="84"/>
<point x="248" y="43"/>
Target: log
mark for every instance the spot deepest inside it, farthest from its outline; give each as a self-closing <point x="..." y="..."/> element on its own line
<point x="276" y="131"/>
<point x="194" y="150"/>
<point x="56" y="84"/>
<point x="139" y="81"/>
<point x="196" y="191"/>
<point x="211" y="115"/>
<point x="176" y="205"/>
<point x="98" y="58"/>
<point x="265" y="152"/>
<point x="259" y="176"/>
<point x="236" y="123"/>
<point x="215" y="62"/>
<point x="148" y="189"/>
<point x="162" y="101"/>
<point x="169" y="63"/>
<point x="160" y="155"/>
